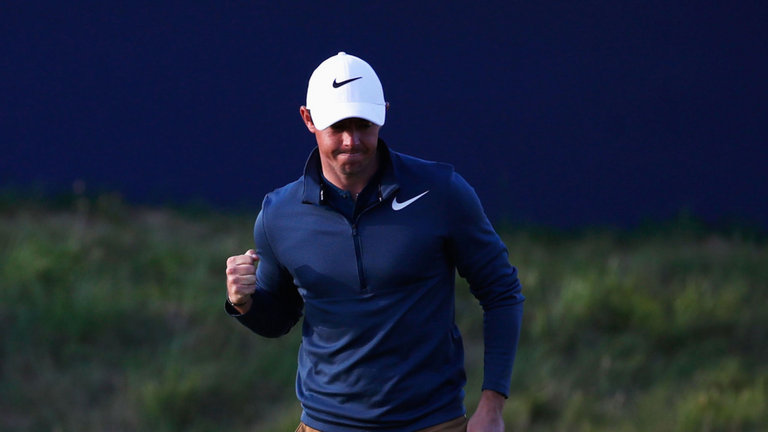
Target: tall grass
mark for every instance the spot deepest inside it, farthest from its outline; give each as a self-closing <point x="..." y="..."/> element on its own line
<point x="112" y="319"/>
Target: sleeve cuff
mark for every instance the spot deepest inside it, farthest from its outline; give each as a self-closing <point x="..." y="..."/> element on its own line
<point x="230" y="309"/>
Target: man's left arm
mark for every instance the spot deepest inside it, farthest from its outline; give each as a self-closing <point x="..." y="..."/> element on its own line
<point x="482" y="259"/>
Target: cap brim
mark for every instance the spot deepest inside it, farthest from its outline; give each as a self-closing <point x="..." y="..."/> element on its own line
<point x="328" y="115"/>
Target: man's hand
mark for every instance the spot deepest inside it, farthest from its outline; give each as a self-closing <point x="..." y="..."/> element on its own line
<point x="487" y="416"/>
<point x="241" y="280"/>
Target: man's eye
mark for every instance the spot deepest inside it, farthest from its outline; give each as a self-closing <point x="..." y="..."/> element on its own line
<point x="350" y="124"/>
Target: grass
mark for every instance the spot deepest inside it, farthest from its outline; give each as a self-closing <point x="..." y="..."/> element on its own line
<point x="112" y="319"/>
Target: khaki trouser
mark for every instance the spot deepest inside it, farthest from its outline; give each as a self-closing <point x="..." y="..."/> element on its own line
<point x="456" y="425"/>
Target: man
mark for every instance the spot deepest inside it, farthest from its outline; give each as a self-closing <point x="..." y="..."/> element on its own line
<point x="365" y="246"/>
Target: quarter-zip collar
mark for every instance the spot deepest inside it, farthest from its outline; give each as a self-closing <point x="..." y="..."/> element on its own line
<point x="316" y="191"/>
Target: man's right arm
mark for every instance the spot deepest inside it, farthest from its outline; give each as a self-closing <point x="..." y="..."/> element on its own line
<point x="264" y="300"/>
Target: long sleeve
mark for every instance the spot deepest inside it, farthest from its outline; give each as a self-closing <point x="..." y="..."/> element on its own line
<point x="277" y="305"/>
<point x="482" y="259"/>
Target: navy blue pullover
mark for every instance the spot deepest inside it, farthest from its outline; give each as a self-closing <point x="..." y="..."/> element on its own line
<point x="380" y="348"/>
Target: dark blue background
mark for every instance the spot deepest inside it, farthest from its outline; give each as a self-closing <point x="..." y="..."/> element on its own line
<point x="559" y="113"/>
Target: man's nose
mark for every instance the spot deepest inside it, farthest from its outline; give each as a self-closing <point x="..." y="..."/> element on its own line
<point x="351" y="137"/>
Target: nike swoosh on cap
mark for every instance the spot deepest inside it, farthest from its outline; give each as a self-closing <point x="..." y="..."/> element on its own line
<point x="339" y="84"/>
<point x="396" y="206"/>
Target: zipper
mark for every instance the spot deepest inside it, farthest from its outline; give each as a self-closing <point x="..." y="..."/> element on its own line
<point x="359" y="244"/>
<point x="359" y="257"/>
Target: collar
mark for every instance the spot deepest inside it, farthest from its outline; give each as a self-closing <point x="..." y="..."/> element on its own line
<point x="315" y="190"/>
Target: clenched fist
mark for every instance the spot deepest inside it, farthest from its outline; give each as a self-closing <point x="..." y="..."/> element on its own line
<point x="241" y="279"/>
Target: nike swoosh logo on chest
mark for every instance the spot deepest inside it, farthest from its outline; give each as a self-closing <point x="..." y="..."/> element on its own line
<point x="396" y="206"/>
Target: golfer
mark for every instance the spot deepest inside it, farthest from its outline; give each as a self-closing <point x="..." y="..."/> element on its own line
<point x="365" y="246"/>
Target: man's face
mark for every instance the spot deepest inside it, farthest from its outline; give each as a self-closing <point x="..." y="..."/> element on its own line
<point x="348" y="149"/>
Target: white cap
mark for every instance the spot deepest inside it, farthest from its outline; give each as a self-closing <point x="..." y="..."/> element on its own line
<point x="345" y="86"/>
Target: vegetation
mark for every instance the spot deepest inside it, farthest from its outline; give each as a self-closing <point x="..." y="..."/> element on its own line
<point x="112" y="319"/>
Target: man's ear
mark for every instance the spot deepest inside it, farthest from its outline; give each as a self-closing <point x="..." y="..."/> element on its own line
<point x="307" y="118"/>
